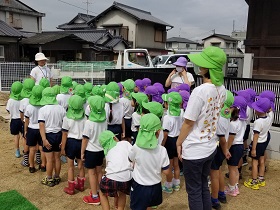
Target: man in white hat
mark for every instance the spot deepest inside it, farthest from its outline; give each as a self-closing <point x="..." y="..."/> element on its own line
<point x="41" y="70"/>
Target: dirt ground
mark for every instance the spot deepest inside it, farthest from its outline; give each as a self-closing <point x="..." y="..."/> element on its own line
<point x="14" y="176"/>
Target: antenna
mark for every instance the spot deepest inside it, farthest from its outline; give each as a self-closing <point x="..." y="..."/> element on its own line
<point x="87" y="3"/>
<point x="180" y="32"/>
<point x="233" y="26"/>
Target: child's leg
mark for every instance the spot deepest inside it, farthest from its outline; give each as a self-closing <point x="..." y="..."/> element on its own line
<point x="16" y="138"/>
<point x="92" y="176"/>
<point x="214" y="175"/>
<point x="81" y="168"/>
<point x="57" y="164"/>
<point x="99" y="176"/>
<point x="255" y="169"/>
<point x="233" y="175"/>
<point x="70" y="164"/>
<point x="32" y="151"/>
<point x="104" y="201"/>
<point x="49" y="165"/>
<point x="221" y="181"/>
<point x="121" y="201"/>
<point x="261" y="166"/>
<point x="43" y="157"/>
<point x="176" y="168"/>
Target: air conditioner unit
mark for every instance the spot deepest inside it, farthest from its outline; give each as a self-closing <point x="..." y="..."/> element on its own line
<point x="79" y="56"/>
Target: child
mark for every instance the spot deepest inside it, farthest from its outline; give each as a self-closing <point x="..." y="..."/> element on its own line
<point x="12" y="108"/>
<point x="235" y="143"/>
<point x="165" y="104"/>
<point x="185" y="97"/>
<point x="50" y="124"/>
<point x="128" y="87"/>
<point x="66" y="89"/>
<point x="44" y="82"/>
<point x="139" y="86"/>
<point x="259" y="143"/>
<point x="117" y="180"/>
<point x="80" y="91"/>
<point x="33" y="137"/>
<point x="56" y="89"/>
<point x="72" y="129"/>
<point x="172" y="123"/>
<point x="137" y="100"/>
<point x="150" y="159"/>
<point x="121" y="89"/>
<point x="28" y="84"/>
<point x="92" y="152"/>
<point x="151" y="92"/>
<point x="114" y="110"/>
<point x="88" y="88"/>
<point x="146" y="83"/>
<point x="217" y="180"/>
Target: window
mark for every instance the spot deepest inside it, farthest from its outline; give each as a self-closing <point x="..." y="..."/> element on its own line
<point x="2" y="51"/>
<point x="160" y="35"/>
<point x="216" y="44"/>
<point x="138" y="58"/>
<point x="187" y="45"/>
<point x="169" y="45"/>
<point x="124" y="32"/>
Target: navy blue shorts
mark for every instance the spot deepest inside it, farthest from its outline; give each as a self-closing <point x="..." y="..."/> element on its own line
<point x="236" y="152"/>
<point x="55" y="140"/>
<point x="16" y="126"/>
<point x="93" y="159"/>
<point x="247" y="132"/>
<point x="111" y="187"/>
<point x="33" y="137"/>
<point x="134" y="135"/>
<point x="73" y="148"/>
<point x="171" y="147"/>
<point x="128" y="132"/>
<point x="142" y="197"/>
<point x="117" y="130"/>
<point x="260" y="149"/>
<point x="218" y="159"/>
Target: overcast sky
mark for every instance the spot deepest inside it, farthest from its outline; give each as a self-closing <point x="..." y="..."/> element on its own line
<point x="192" y="19"/>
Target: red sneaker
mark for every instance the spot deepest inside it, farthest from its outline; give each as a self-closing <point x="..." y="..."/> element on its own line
<point x="90" y="200"/>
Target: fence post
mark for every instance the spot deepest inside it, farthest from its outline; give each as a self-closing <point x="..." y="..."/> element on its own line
<point x="0" y="78"/>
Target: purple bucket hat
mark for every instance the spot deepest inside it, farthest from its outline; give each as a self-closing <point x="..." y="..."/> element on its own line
<point x="246" y="95"/>
<point x="140" y="85"/>
<point x="121" y="88"/>
<point x="159" y="87"/>
<point x="185" y="97"/>
<point x="240" y="103"/>
<point x="185" y="87"/>
<point x="153" y="91"/>
<point x="146" y="82"/>
<point x="181" y="61"/>
<point x="262" y="105"/>
<point x="173" y="90"/>
<point x="269" y="95"/>
<point x="252" y="93"/>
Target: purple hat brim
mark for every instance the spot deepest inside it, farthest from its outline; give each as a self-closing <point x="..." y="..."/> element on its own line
<point x="257" y="108"/>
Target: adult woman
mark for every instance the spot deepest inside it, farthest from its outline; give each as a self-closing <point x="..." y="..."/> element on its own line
<point x="179" y="75"/>
<point x="195" y="144"/>
<point x="41" y="70"/>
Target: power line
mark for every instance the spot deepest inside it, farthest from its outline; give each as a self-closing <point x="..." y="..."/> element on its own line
<point x="77" y="7"/>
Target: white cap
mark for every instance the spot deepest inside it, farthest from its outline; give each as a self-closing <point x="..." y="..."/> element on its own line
<point x="40" y="57"/>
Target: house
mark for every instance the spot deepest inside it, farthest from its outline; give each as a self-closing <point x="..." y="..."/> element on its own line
<point x="227" y="43"/>
<point x="74" y="45"/>
<point x="20" y="16"/>
<point x="79" y="22"/>
<point x="9" y="43"/>
<point x="140" y="28"/>
<point x="240" y="36"/>
<point x="180" y="44"/>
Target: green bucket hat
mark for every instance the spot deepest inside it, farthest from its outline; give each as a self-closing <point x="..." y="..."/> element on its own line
<point x="44" y="83"/>
<point x="56" y="89"/>
<point x="98" y="90"/>
<point x="36" y="95"/>
<point x="129" y="86"/>
<point x="74" y="83"/>
<point x="154" y="107"/>
<point x="106" y="140"/>
<point x="66" y="85"/>
<point x="88" y="87"/>
<point x="174" y="100"/>
<point x="140" y="99"/>
<point x="97" y="111"/>
<point x="212" y="58"/>
<point x="48" y="97"/>
<point x="16" y="91"/>
<point x="80" y="91"/>
<point x="112" y="93"/>
<point x="149" y="125"/>
<point x="27" y="86"/>
<point x="225" y="111"/>
<point x="75" y="108"/>
<point x="164" y="97"/>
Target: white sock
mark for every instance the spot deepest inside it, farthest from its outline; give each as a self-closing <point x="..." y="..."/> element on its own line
<point x="231" y="187"/>
<point x="168" y="184"/>
<point x="176" y="181"/>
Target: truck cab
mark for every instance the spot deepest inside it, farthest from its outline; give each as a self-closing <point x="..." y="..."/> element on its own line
<point x="166" y="61"/>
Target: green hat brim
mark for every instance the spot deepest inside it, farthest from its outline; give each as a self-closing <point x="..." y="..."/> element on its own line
<point x="77" y="115"/>
<point x="48" y="101"/>
<point x="16" y="97"/>
<point x="34" y="102"/>
<point x="25" y="93"/>
<point x="201" y="61"/>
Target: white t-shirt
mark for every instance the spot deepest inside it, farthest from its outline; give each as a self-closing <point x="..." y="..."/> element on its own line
<point x="270" y="115"/>
<point x="172" y="124"/>
<point x="23" y="104"/>
<point x="13" y="108"/>
<point x="62" y="100"/>
<point x="250" y="114"/>
<point x="160" y="137"/>
<point x="32" y="112"/>
<point x="117" y="112"/>
<point x="53" y="116"/>
<point x="177" y="80"/>
<point x="91" y="131"/>
<point x="74" y="128"/>
<point x="148" y="164"/>
<point x="128" y="109"/>
<point x="237" y="128"/>
<point x="261" y="125"/>
<point x="135" y="122"/>
<point x="87" y="111"/>
<point x="222" y="128"/>
<point x="203" y="108"/>
<point x="41" y="72"/>
<point x="118" y="167"/>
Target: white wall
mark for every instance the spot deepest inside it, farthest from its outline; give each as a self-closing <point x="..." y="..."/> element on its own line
<point x="207" y="42"/>
<point x="118" y="17"/>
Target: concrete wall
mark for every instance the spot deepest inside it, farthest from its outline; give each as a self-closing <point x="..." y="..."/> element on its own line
<point x="118" y="17"/>
<point x="207" y="42"/>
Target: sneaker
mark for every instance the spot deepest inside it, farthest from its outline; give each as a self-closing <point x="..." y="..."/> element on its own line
<point x="251" y="185"/>
<point x="32" y="169"/>
<point x="216" y="205"/>
<point x="48" y="182"/>
<point x="230" y="192"/>
<point x="42" y="168"/>
<point x="56" y="180"/>
<point x="166" y="189"/>
<point x="245" y="163"/>
<point x="222" y="198"/>
<point x="90" y="200"/>
<point x="261" y="183"/>
<point x="154" y="207"/>
<point x="17" y="153"/>
<point x="63" y="159"/>
<point x="237" y="190"/>
<point x="176" y="187"/>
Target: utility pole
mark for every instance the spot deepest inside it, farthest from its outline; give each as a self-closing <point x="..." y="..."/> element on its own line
<point x="213" y="31"/>
<point x="87" y="3"/>
<point x="233" y="26"/>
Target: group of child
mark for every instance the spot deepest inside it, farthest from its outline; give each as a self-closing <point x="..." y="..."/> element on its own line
<point x="135" y="126"/>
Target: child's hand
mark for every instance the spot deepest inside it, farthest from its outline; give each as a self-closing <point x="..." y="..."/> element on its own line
<point x="83" y="157"/>
<point x="253" y="153"/>
<point x="47" y="144"/>
<point x="227" y="154"/>
<point x="179" y="151"/>
<point x="123" y="135"/>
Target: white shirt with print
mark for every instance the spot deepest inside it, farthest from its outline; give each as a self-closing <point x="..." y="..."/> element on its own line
<point x="177" y="80"/>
